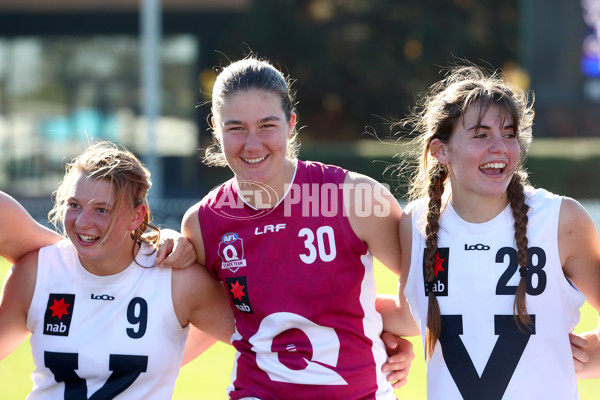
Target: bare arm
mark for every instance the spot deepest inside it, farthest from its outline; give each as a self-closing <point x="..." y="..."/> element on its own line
<point x="209" y="311"/>
<point x="190" y="228"/>
<point x="197" y="343"/>
<point x="201" y="300"/>
<point x="374" y="215"/>
<point x="14" y="303"/>
<point x="406" y="244"/>
<point x="396" y="315"/>
<point x="399" y="315"/>
<point x="399" y="318"/>
<point x="378" y="227"/>
<point x="21" y="233"/>
<point x="579" y="249"/>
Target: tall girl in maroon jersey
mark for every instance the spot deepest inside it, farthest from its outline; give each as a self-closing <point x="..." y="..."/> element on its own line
<point x="293" y="243"/>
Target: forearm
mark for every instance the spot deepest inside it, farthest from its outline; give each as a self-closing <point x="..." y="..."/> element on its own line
<point x="10" y="340"/>
<point x="396" y="316"/>
<point x="31" y="236"/>
<point x="197" y="343"/>
<point x="21" y="233"/>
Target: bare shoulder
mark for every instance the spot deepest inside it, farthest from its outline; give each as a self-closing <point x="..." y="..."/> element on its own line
<point x="374" y="215"/>
<point x="190" y="218"/>
<point x="575" y="228"/>
<point x="367" y="197"/>
<point x="8" y="202"/>
<point x="579" y="249"/>
<point x="572" y="211"/>
<point x="190" y="228"/>
<point x="355" y="178"/>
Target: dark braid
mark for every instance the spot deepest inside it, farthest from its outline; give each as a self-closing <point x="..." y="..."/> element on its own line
<point x="434" y="322"/>
<point x="516" y="196"/>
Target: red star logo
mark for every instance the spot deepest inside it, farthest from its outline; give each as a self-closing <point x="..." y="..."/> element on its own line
<point x="59" y="308"/>
<point x="237" y="290"/>
<point x="438" y="264"/>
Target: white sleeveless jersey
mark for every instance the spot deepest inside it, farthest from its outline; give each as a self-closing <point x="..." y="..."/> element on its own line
<point x="103" y="337"/>
<point x="481" y="353"/>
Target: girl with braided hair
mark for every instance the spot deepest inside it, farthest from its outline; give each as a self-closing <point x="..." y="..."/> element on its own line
<point x="499" y="269"/>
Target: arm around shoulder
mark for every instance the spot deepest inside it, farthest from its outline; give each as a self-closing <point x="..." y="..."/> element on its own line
<point x="21" y="233"/>
<point x="175" y="250"/>
<point x="401" y="319"/>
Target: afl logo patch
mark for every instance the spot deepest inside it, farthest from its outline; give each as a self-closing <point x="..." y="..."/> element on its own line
<point x="231" y="252"/>
<point x="59" y="311"/>
<point x="229" y="237"/>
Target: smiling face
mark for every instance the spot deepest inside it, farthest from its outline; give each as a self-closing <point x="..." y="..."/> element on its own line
<point x="481" y="155"/>
<point x="104" y="247"/>
<point x="253" y="131"/>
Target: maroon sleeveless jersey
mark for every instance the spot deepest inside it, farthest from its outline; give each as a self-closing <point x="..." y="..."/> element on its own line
<point x="302" y="290"/>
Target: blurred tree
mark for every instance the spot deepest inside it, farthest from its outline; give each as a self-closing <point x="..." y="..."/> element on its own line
<point x="359" y="63"/>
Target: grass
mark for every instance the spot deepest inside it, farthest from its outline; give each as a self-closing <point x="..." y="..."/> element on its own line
<point x="208" y="375"/>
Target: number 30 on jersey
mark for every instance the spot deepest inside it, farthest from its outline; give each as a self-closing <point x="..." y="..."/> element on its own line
<point x="319" y="244"/>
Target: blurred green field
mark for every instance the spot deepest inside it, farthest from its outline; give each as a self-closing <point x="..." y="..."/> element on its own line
<point x="208" y="375"/>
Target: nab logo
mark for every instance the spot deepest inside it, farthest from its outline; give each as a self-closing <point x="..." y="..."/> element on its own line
<point x="231" y="252"/>
<point x="59" y="311"/>
<point x="439" y="286"/>
<point x="238" y="291"/>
